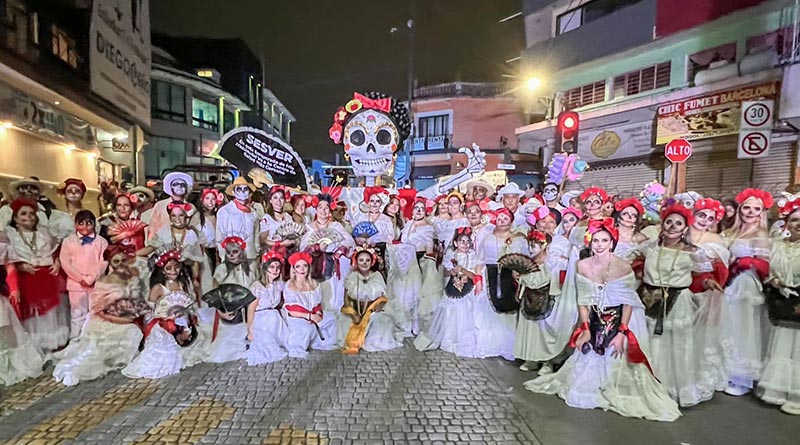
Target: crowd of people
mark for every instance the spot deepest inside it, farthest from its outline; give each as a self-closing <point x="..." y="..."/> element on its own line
<point x="614" y="308"/>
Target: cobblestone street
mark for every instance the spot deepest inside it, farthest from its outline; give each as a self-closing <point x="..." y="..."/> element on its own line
<point x="401" y="397"/>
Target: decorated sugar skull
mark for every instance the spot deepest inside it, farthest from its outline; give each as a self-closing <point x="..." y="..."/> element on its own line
<point x="371" y="128"/>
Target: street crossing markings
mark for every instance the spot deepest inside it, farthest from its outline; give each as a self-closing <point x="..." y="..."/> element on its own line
<point x="23" y="395"/>
<point x="188" y="426"/>
<point x="288" y="434"/>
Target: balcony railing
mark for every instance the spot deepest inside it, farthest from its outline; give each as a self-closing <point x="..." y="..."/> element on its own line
<point x="469" y="89"/>
<point x="790" y="21"/>
<point x="425" y="143"/>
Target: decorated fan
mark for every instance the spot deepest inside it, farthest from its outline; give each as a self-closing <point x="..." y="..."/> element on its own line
<point x="173" y="304"/>
<point x="127" y="307"/>
<point x="290" y="231"/>
<point x="129" y="227"/>
<point x="518" y="262"/>
<point x="230" y="299"/>
<point x="325" y="237"/>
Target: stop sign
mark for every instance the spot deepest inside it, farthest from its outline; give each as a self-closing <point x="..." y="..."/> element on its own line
<point x="678" y="150"/>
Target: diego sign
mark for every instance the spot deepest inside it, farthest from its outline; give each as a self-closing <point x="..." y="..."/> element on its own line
<point x="264" y="158"/>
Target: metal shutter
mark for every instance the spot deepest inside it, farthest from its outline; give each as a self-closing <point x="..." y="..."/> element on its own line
<point x="623" y="179"/>
<point x="775" y="172"/>
<point x="718" y="173"/>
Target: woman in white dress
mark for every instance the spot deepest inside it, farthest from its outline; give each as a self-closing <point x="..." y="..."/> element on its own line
<point x="479" y="221"/>
<point x="420" y="233"/>
<point x="273" y="218"/>
<point x="780" y="380"/>
<point x="309" y="326"/>
<point x="61" y="224"/>
<point x="370" y="329"/>
<point x="628" y="215"/>
<point x="749" y="244"/>
<point x="111" y="338"/>
<point x="455" y="208"/>
<point x="600" y="374"/>
<point x="210" y="201"/>
<point x="713" y="343"/>
<point x="403" y="274"/>
<point x="268" y="331"/>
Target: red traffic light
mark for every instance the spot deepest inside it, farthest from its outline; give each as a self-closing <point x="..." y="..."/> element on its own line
<point x="569" y="123"/>
<point x="567" y="131"/>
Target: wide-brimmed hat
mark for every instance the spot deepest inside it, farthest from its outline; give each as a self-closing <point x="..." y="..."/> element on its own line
<point x="177" y="176"/>
<point x="479" y="183"/>
<point x="139" y="189"/>
<point x="24" y="181"/>
<point x="239" y="181"/>
<point x="510" y="189"/>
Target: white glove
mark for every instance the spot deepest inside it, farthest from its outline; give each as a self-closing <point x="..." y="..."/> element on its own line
<point x="788" y="292"/>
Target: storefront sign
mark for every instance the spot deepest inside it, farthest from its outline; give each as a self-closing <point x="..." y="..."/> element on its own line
<point x="616" y="142"/>
<point x="119" y="58"/>
<point x="708" y="116"/>
<point x="264" y="158"/>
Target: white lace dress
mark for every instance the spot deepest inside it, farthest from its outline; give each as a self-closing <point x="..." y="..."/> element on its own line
<point x="103" y="346"/>
<point x="20" y="358"/>
<point x="780" y="380"/>
<point x="332" y="288"/>
<point x="591" y="380"/>
<point x="403" y="286"/>
<point x="748" y="321"/>
<point x="381" y="329"/>
<point x="430" y="289"/>
<point x="230" y="343"/>
<point x="269" y="327"/>
<point x="191" y="244"/>
<point x="303" y="334"/>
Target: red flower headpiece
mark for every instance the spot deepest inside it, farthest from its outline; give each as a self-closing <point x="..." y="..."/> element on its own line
<point x="62" y="188"/>
<point x="19" y="203"/>
<point x="594" y="191"/>
<point x="272" y="255"/>
<point x="629" y="202"/>
<point x="578" y="214"/>
<point x="235" y="240"/>
<point x="679" y="209"/>
<point x="299" y="256"/>
<point x="762" y="195"/>
<point x="501" y="211"/>
<point x="128" y="249"/>
<point x="407" y="198"/>
<point x="710" y="204"/>
<point x="789" y="208"/>
<point x="355" y="105"/>
<point x="537" y="236"/>
<point x="279" y="188"/>
<point x="539" y="214"/>
<point x="596" y="225"/>
<point x="375" y="190"/>
<point x="463" y="231"/>
<point x="219" y="198"/>
<point x="185" y="206"/>
<point x="164" y="257"/>
<point x="373" y="256"/>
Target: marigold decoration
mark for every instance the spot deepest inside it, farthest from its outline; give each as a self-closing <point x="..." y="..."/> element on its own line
<point x="353" y="106"/>
<point x="765" y="197"/>
<point x="679" y="209"/>
<point x="710" y="204"/>
<point x="596" y="225"/>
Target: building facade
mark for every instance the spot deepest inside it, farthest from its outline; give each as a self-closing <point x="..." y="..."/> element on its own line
<point x="458" y="114"/>
<point x="52" y="124"/>
<point x="664" y="70"/>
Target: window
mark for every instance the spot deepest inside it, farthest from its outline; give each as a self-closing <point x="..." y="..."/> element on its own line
<point x="229" y="121"/>
<point x="63" y="46"/>
<point x="588" y="12"/>
<point x="205" y="114"/>
<point x="645" y="79"/>
<point x="702" y="61"/>
<point x="438" y="125"/>
<point x="168" y="101"/>
<point x="585" y="95"/>
<point x="164" y="153"/>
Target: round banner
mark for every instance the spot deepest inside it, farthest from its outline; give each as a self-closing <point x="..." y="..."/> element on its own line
<point x="264" y="158"/>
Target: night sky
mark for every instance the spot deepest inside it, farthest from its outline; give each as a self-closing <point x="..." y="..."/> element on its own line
<point x="318" y="52"/>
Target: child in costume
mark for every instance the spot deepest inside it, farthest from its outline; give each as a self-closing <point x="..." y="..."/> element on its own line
<point x="268" y="330"/>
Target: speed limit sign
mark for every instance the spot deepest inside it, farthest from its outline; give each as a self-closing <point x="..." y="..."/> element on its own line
<point x="755" y="129"/>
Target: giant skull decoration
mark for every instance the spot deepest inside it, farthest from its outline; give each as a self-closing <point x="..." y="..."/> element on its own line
<point x="371" y="127"/>
<point x="370" y="138"/>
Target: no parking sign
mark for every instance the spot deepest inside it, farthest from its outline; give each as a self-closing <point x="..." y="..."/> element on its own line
<point x="755" y="129"/>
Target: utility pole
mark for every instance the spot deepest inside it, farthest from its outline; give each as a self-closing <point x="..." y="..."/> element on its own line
<point x="411" y="54"/>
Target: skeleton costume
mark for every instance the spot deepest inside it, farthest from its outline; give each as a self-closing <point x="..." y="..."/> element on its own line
<point x="238" y="218"/>
<point x="179" y="186"/>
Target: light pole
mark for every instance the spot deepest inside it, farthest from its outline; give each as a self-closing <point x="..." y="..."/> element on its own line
<point x="410" y="94"/>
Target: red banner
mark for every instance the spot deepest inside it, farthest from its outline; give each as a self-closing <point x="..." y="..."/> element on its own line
<point x="673" y="16"/>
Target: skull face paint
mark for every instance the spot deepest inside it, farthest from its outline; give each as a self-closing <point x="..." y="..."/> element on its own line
<point x="371" y="138"/>
<point x="550" y="192"/>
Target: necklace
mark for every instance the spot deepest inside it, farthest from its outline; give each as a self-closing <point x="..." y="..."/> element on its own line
<point x="598" y="295"/>
<point x="32" y="243"/>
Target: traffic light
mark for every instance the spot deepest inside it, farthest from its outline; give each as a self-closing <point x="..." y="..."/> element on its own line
<point x="567" y="132"/>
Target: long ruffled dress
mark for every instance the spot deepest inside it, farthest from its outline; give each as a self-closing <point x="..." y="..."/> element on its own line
<point x="303" y="335"/>
<point x="591" y="380"/>
<point x="192" y="246"/>
<point x="333" y="288"/>
<point x="20" y="358"/>
<point x="230" y="343"/>
<point x="780" y="380"/>
<point x="103" y="346"/>
<point x="381" y="327"/>
<point x="403" y="285"/>
<point x="748" y="320"/>
<point x="430" y="289"/>
<point x="269" y="326"/>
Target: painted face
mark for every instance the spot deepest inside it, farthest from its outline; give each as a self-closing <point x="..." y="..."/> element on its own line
<point x="511" y="202"/>
<point x="454" y="206"/>
<point x="573" y="202"/>
<point x="242" y="193"/>
<point x="418" y="211"/>
<point x="119" y="262"/>
<point x="673" y="227"/>
<point x="85" y="227"/>
<point x="178" y="218"/>
<point x="323" y="211"/>
<point x="73" y="193"/>
<point x="593" y="205"/>
<point x="123" y="207"/>
<point x="393" y="207"/>
<point x="463" y="243"/>
<point x="364" y="262"/>
<point x="608" y="208"/>
<point x="375" y="204"/>
<point x="178" y="188"/>
<point x="550" y="192"/>
<point x="601" y="242"/>
<point x="503" y="221"/>
<point x="234" y="253"/>
<point x="442" y="208"/>
<point x="26" y="218"/>
<point x="704" y="220"/>
<point x="479" y="193"/>
<point x="277" y="200"/>
<point x="568" y="221"/>
<point x="547" y="225"/>
<point x="273" y="270"/>
<point x="628" y="217"/>
<point x="474" y="215"/>
<point x="750" y="211"/>
<point x="141" y="199"/>
<point x="371" y="138"/>
<point x="29" y="191"/>
<point x="535" y="249"/>
<point x="793" y="224"/>
<point x="172" y="269"/>
<point x="209" y="202"/>
<point x="730" y="211"/>
<point x="300" y="268"/>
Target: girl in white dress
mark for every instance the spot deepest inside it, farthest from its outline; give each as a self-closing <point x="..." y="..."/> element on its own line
<point x="455" y="208"/>
<point x="479" y="221"/>
<point x="628" y="215"/>
<point x="749" y="244"/>
<point x="274" y="217"/>
<point x="370" y="328"/>
<point x="600" y="374"/>
<point x="403" y="274"/>
<point x="20" y="358"/>
<point x="268" y="331"/>
<point x="210" y="202"/>
<point x="309" y="326"/>
<point x="111" y="337"/>
<point x="420" y="233"/>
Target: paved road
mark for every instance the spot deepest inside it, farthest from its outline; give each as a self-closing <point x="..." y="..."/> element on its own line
<point x="401" y="397"/>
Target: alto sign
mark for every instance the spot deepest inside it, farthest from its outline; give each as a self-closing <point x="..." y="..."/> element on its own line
<point x="678" y="151"/>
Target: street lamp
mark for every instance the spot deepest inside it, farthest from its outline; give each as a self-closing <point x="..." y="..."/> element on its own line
<point x="534" y="83"/>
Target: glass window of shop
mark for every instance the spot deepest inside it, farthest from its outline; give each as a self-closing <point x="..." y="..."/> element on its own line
<point x="229" y="121"/>
<point x="163" y="153"/>
<point x="168" y="101"/>
<point x="205" y="114"/>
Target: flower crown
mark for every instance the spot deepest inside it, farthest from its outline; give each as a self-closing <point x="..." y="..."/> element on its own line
<point x="679" y="209"/>
<point x="373" y="255"/>
<point x="299" y="256"/>
<point x="710" y="204"/>
<point x="629" y="202"/>
<point x="164" y="257"/>
<point x="597" y="225"/>
<point x="762" y="195"/>
<point x="370" y="101"/>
